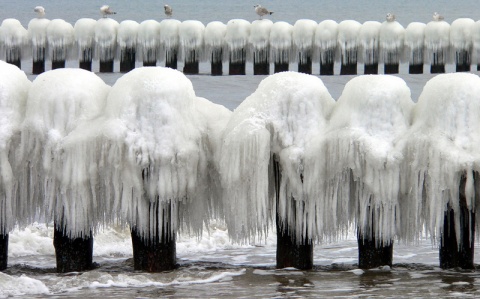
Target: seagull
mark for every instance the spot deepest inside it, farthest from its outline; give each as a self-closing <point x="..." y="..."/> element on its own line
<point x="106" y="11"/>
<point x="437" y="17"/>
<point x="261" y="11"/>
<point x="390" y="17"/>
<point x="168" y="10"/>
<point x="40" y="11"/>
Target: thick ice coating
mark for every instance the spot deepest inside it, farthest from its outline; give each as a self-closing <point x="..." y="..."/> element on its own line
<point x="353" y="172"/>
<point x="14" y="87"/>
<point x="392" y="36"/>
<point x="148" y="40"/>
<point x="106" y="39"/>
<point x="214" y="40"/>
<point x="236" y="38"/>
<point x="281" y="42"/>
<point x="302" y="36"/>
<point x="437" y="42"/>
<point x="13" y="39"/>
<point x="369" y="42"/>
<point x="348" y="42"/>
<point x="191" y="35"/>
<point x="414" y="43"/>
<point x="259" y="40"/>
<point x="37" y="34"/>
<point x="442" y="147"/>
<point x="59" y="102"/>
<point x="169" y="40"/>
<point x="84" y="31"/>
<point x="325" y="41"/>
<point x="61" y="40"/>
<point x="272" y="124"/>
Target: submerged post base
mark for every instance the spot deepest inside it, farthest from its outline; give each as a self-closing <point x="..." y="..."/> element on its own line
<point x="370" y="69"/>
<point x="236" y="68"/>
<point x="106" y="66"/>
<point x="391" y="68"/>
<point x="38" y="67"/>
<point x="348" y="69"/>
<point x="127" y="59"/>
<point x="155" y="255"/>
<point x="58" y="64"/>
<point x="371" y="255"/>
<point x="85" y="65"/>
<point x="217" y="68"/>
<point x="3" y="252"/>
<point x="191" y="68"/>
<point x="462" y="67"/>
<point x="149" y="63"/>
<point x="291" y="254"/>
<point x="305" y="66"/>
<point x="437" y="68"/>
<point x="326" y="69"/>
<point x="280" y="67"/>
<point x="415" y="69"/>
<point x="261" y="68"/>
<point x="72" y="254"/>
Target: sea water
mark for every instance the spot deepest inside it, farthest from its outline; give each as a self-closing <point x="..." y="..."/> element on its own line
<point x="212" y="266"/>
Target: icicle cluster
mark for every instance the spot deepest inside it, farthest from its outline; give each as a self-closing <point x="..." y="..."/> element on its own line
<point x="215" y="41"/>
<point x="414" y="43"/>
<point x="273" y="124"/>
<point x="84" y="31"/>
<point x="461" y="39"/>
<point x="37" y="34"/>
<point x="169" y="39"/>
<point x="326" y="36"/>
<point x="128" y="35"/>
<point x="106" y="39"/>
<point x="441" y="147"/>
<point x="259" y="40"/>
<point x="392" y="36"/>
<point x="302" y="36"/>
<point x="369" y="42"/>
<point x="437" y="42"/>
<point x="281" y="42"/>
<point x="148" y="41"/>
<point x="58" y="103"/>
<point x="14" y="87"/>
<point x="236" y="38"/>
<point x="13" y="40"/>
<point x="61" y="40"/>
<point x="191" y="34"/>
<point x="348" y="41"/>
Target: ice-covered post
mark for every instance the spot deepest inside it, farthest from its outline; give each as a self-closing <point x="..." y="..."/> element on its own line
<point x="160" y="160"/>
<point x="461" y="43"/>
<point x="348" y="43"/>
<point x="264" y="145"/>
<point x="14" y="87"/>
<point x="214" y="45"/>
<point x="476" y="44"/>
<point x="392" y="36"/>
<point x="84" y="30"/>
<point x="37" y="33"/>
<point x="414" y="47"/>
<point x="437" y="43"/>
<point x="191" y="35"/>
<point x="369" y="51"/>
<point x="302" y="36"/>
<point x="281" y="46"/>
<point x="61" y="38"/>
<point x="169" y="41"/>
<point x="363" y="162"/>
<point x="127" y="42"/>
<point x="325" y="42"/>
<point x="443" y="165"/>
<point x="14" y="40"/>
<point x="259" y="44"/>
<point x="106" y="43"/>
<point x="236" y="38"/>
<point x="63" y="188"/>
<point x="149" y="42"/>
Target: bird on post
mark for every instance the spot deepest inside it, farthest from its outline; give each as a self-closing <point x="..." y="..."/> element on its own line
<point x="168" y="10"/>
<point x="437" y="17"/>
<point x="391" y="17"/>
<point x="106" y="11"/>
<point x="40" y="11"/>
<point x="261" y="11"/>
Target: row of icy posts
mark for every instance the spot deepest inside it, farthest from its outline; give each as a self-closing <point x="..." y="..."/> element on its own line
<point x="262" y="41"/>
<point x="149" y="154"/>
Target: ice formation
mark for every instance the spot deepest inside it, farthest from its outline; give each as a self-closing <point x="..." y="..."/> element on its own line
<point x="191" y="35"/>
<point x="259" y="40"/>
<point x="154" y="150"/>
<point x="461" y="38"/>
<point x="441" y="147"/>
<point x="476" y="42"/>
<point x="348" y="41"/>
<point x="369" y="35"/>
<point x="271" y="126"/>
<point x="169" y="39"/>
<point x="353" y="170"/>
<point x="14" y="87"/>
<point x="51" y="178"/>
<point x="37" y="34"/>
<point x="281" y="42"/>
<point x="61" y="40"/>
<point x="437" y="42"/>
<point x="84" y="30"/>
<point x="414" y="43"/>
<point x="325" y="41"/>
<point x="106" y="39"/>
<point x="13" y="40"/>
<point x="214" y="39"/>
<point x="302" y="36"/>
<point x="148" y="41"/>
<point x="127" y="39"/>
<point x="392" y="36"/>
<point x="236" y="38"/>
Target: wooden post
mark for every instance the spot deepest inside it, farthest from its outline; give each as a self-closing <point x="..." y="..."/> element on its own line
<point x="85" y="61"/>
<point x="237" y="67"/>
<point x="13" y="56"/>
<point x="171" y="59"/>
<point x="58" y="64"/>
<point x="327" y="62"/>
<point x="38" y="66"/>
<point x="415" y="69"/>
<point x="106" y="66"/>
<point x="436" y="66"/>
<point x="391" y="68"/>
<point x="291" y="252"/>
<point x="155" y="252"/>
<point x="462" y="61"/>
<point x="191" y="63"/>
<point x="416" y="63"/>
<point x="72" y="254"/>
<point x="281" y="67"/>
<point x="261" y="65"/>
<point x="216" y="62"/>
<point x="127" y="59"/>
<point x="370" y="69"/>
<point x="305" y="66"/>
<point x="3" y="251"/>
<point x="452" y="254"/>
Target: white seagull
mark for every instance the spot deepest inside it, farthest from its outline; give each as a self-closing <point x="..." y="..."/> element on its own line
<point x="106" y="11"/>
<point x="437" y="17"/>
<point x="261" y="11"/>
<point x="168" y="10"/>
<point x="390" y="17"/>
<point x="40" y="11"/>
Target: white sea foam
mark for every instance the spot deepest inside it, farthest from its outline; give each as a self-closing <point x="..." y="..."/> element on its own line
<point x="20" y="286"/>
